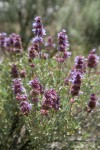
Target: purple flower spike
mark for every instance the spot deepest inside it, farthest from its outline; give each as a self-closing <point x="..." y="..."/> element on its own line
<point x="63" y="41"/>
<point x="38" y="27"/>
<point x="92" y="102"/>
<point x="92" y="59"/>
<point x="63" y="47"/>
<point x="37" y="88"/>
<point x="50" y="100"/>
<point x="35" y="83"/>
<point x="38" y="30"/>
<point x="80" y="64"/>
<point x="76" y="80"/>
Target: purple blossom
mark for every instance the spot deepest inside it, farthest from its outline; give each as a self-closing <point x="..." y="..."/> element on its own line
<point x="50" y="94"/>
<point x="38" y="28"/>
<point x="75" y="88"/>
<point x="37" y="87"/>
<point x="92" y="59"/>
<point x="66" y="54"/>
<point x="50" y="100"/>
<point x="39" y="32"/>
<point x="63" y="47"/>
<point x="37" y="40"/>
<point x="21" y="97"/>
<point x="35" y="83"/>
<point x="73" y="74"/>
<point x="17" y="86"/>
<point x="80" y="64"/>
<point x="63" y="41"/>
<point x="92" y="102"/>
<point x="25" y="107"/>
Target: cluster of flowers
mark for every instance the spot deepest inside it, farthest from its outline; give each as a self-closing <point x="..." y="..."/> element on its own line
<point x="19" y="90"/>
<point x="63" y="47"/>
<point x="50" y="100"/>
<point x="92" y="59"/>
<point x="92" y="102"/>
<point x="21" y="96"/>
<point x="76" y="83"/>
<point x="37" y="89"/>
<point x="80" y="64"/>
<point x="50" y="97"/>
<point x="76" y="75"/>
<point x="11" y="43"/>
<point x="39" y="32"/>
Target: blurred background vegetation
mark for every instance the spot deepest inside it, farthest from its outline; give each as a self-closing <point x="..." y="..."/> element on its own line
<point x="81" y="19"/>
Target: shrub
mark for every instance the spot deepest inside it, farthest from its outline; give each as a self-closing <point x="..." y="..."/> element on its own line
<point x="45" y="97"/>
